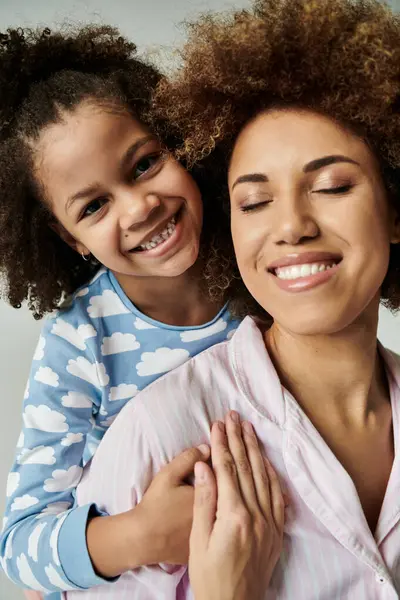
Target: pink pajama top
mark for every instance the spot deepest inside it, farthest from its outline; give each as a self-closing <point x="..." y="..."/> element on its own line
<point x="329" y="551"/>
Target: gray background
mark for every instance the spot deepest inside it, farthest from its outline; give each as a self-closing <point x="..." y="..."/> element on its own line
<point x="150" y="24"/>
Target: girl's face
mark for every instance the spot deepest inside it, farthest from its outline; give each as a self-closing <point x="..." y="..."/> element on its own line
<point x="311" y="223"/>
<point x="117" y="196"/>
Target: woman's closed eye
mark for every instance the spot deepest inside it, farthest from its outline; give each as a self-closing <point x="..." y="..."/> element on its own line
<point x="255" y="202"/>
<point x="337" y="189"/>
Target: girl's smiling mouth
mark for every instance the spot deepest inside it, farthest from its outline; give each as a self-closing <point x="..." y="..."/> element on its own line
<point x="159" y="239"/>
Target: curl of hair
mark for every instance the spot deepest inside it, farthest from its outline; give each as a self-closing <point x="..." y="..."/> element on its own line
<point x="337" y="57"/>
<point x="42" y="75"/>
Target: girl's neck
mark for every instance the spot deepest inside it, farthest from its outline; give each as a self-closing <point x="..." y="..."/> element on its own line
<point x="337" y="376"/>
<point x="179" y="301"/>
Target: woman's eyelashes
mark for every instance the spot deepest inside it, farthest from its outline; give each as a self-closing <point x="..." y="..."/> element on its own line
<point x="341" y="189"/>
<point x="336" y="189"/>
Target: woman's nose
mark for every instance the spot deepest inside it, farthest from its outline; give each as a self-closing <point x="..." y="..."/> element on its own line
<point x="295" y="223"/>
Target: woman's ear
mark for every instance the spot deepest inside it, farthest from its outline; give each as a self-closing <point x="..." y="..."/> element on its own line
<point x="68" y="238"/>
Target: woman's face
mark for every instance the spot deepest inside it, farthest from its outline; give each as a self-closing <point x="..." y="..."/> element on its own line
<point x="116" y="195"/>
<point x="311" y="223"/>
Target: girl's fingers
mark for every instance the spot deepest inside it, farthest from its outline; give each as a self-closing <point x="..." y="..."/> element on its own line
<point x="224" y="468"/>
<point x="205" y="506"/>
<point x="259" y="470"/>
<point x="243" y="466"/>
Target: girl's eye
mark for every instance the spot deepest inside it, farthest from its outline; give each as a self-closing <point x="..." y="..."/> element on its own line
<point x="93" y="207"/>
<point x="256" y="205"/>
<point x="339" y="189"/>
<point x="145" y="164"/>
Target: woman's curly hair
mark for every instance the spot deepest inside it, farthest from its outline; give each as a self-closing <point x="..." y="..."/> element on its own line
<point x="337" y="57"/>
<point x="42" y="74"/>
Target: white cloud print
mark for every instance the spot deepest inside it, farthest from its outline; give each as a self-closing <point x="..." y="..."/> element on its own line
<point x="72" y="438"/>
<point x="43" y="418"/>
<point x="47" y="376"/>
<point x="54" y="539"/>
<point x="106" y="305"/>
<point x="33" y="541"/>
<point x="94" y="373"/>
<point x="55" y="579"/>
<point x="41" y="455"/>
<point x="55" y="508"/>
<point x="12" y="483"/>
<point x="161" y="361"/>
<point x="23" y="502"/>
<point x="39" y="352"/>
<point x="119" y="342"/>
<point x="122" y="391"/>
<point x="76" y="337"/>
<point x="193" y="335"/>
<point x="76" y="400"/>
<point x="26" y="393"/>
<point x="26" y="575"/>
<point x="63" y="480"/>
<point x="140" y="324"/>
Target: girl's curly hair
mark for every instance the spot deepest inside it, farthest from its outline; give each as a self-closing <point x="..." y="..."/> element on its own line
<point x="337" y="57"/>
<point x="42" y="74"/>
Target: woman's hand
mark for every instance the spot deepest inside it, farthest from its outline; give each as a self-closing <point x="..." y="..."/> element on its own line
<point x="238" y="519"/>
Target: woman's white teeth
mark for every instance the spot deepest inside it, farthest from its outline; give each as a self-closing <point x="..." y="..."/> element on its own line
<point x="160" y="237"/>
<point x="297" y="271"/>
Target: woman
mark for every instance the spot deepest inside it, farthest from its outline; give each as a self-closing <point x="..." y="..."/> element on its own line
<point x="302" y="98"/>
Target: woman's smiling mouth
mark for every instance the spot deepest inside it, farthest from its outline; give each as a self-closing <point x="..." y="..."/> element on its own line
<point x="300" y="272"/>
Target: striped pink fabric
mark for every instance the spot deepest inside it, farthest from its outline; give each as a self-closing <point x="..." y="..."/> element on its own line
<point x="329" y="551"/>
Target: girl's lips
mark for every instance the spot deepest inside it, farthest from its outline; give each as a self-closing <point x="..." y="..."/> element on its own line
<point x="167" y="244"/>
<point x="302" y="284"/>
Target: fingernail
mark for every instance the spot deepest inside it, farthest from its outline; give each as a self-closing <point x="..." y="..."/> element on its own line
<point x="221" y="426"/>
<point x="248" y="427"/>
<point x="234" y="416"/>
<point x="204" y="449"/>
<point x="199" y="473"/>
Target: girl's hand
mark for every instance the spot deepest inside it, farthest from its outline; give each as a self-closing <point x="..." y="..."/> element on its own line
<point x="238" y="519"/>
<point x="157" y="530"/>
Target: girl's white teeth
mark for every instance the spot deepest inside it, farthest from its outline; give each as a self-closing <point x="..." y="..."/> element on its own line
<point x="297" y="271"/>
<point x="160" y="237"/>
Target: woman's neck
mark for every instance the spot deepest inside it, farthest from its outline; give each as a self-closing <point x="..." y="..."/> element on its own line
<point x="179" y="301"/>
<point x="337" y="376"/>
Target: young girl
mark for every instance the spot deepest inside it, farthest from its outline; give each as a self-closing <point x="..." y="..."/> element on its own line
<point x="303" y="97"/>
<point x="95" y="212"/>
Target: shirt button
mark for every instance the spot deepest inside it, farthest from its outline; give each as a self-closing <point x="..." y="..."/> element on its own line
<point x="379" y="578"/>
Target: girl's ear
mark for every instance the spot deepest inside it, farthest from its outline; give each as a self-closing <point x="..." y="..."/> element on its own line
<point x="68" y="238"/>
<point x="395" y="238"/>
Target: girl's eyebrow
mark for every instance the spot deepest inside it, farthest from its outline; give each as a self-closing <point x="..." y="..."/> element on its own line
<point x="135" y="147"/>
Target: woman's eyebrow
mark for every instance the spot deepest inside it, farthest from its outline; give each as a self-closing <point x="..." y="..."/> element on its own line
<point x="252" y="178"/>
<point x="324" y="161"/>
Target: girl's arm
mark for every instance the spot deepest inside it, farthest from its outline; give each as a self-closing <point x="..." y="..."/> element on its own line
<point x="42" y="533"/>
